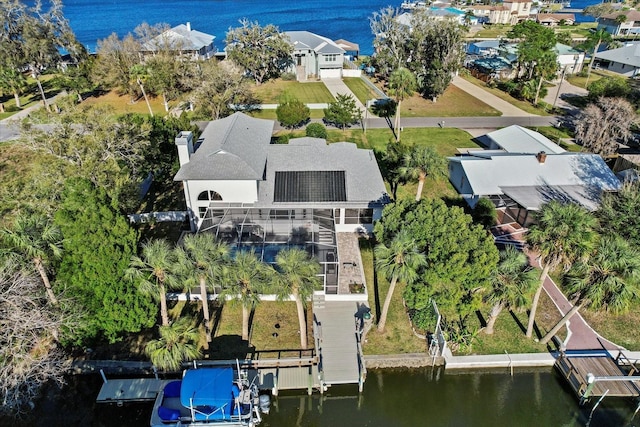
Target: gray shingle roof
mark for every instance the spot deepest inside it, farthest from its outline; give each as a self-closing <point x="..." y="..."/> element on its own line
<point x="629" y="55"/>
<point x="319" y="44"/>
<point x="233" y="148"/>
<point x="363" y="181"/>
<point x="180" y="37"/>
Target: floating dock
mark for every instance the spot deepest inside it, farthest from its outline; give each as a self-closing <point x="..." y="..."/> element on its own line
<point x="598" y="374"/>
<point x="130" y="390"/>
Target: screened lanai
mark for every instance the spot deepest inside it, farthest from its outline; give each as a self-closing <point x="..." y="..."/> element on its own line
<point x="266" y="232"/>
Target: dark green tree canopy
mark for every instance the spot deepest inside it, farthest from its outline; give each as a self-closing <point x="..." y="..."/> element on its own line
<point x="536" y="55"/>
<point x="460" y="255"/>
<point x="343" y="112"/>
<point x="98" y="244"/>
<point x="292" y="113"/>
<point x="263" y="52"/>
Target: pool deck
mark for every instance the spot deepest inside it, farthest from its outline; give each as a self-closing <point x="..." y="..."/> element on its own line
<point x="350" y="268"/>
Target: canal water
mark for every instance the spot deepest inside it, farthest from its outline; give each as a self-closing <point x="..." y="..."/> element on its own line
<point x="417" y="397"/>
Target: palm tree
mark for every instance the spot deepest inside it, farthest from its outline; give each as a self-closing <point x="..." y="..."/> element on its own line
<point x="402" y="83"/>
<point x="563" y="234"/>
<point x="12" y="80"/>
<point x="513" y="285"/>
<point x="155" y="271"/>
<point x="401" y="260"/>
<point x="595" y="39"/>
<point x="297" y="278"/>
<point x="35" y="237"/>
<point x="177" y="344"/>
<point x="608" y="279"/>
<point x="421" y="162"/>
<point x="244" y="279"/>
<point x="200" y="261"/>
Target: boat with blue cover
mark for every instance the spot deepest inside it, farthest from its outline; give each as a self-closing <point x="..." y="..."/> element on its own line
<point x="208" y="396"/>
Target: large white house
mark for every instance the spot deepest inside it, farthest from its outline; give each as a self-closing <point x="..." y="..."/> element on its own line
<point x="315" y="56"/>
<point x="522" y="170"/>
<point x="184" y="40"/>
<point x="264" y="197"/>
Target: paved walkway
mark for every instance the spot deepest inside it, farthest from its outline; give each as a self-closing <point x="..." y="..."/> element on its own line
<point x="337" y="87"/>
<point x="503" y="106"/>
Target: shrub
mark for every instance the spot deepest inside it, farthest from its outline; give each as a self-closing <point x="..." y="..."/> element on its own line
<point x="316" y="130"/>
<point x="288" y="77"/>
<point x="283" y="139"/>
<point x="485" y="213"/>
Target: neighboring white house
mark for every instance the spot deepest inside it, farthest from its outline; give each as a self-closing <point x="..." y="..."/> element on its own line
<point x="570" y="60"/>
<point x="624" y="60"/>
<point x="524" y="170"/>
<point x="182" y="38"/>
<point x="315" y="56"/>
<point x="555" y="19"/>
<point x="621" y="23"/>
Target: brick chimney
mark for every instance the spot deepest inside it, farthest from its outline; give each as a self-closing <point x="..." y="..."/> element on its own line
<point x="541" y="156"/>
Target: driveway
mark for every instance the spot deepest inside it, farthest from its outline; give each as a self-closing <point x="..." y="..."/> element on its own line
<point x="560" y="90"/>
<point x="488" y="98"/>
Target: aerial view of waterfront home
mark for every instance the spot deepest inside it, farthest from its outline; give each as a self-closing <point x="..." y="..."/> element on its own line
<point x="266" y="197"/>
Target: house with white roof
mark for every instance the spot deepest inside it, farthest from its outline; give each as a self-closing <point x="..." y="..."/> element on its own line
<point x="522" y="170"/>
<point x="315" y="56"/>
<point x="624" y="60"/>
<point x="184" y="40"/>
<point x="570" y="60"/>
<point x="264" y="197"/>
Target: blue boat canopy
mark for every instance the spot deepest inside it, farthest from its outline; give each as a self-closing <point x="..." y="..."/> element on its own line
<point x="208" y="391"/>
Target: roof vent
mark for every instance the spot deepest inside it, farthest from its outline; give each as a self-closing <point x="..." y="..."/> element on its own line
<point x="541" y="156"/>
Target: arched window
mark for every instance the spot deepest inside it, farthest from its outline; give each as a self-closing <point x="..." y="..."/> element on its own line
<point x="209" y="195"/>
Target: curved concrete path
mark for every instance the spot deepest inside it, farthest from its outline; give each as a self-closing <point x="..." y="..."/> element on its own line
<point x="580" y="335"/>
<point x="499" y="104"/>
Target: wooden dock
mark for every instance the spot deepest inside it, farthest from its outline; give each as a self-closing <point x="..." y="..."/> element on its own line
<point x="337" y="339"/>
<point x="130" y="390"/>
<point x="597" y="374"/>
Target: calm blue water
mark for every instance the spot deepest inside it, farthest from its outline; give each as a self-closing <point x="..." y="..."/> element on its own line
<point x="92" y="20"/>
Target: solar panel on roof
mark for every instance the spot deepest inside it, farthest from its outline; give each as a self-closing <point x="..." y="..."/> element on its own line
<point x="310" y="186"/>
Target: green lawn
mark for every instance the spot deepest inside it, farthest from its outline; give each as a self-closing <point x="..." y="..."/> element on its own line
<point x="493" y="31"/>
<point x="271" y="114"/>
<point x="309" y="92"/>
<point x="454" y="102"/>
<point x="360" y="89"/>
<point x="523" y="105"/>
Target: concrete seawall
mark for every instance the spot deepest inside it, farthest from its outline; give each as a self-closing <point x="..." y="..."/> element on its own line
<point x="419" y="360"/>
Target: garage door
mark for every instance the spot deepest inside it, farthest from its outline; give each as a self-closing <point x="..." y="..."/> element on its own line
<point x="332" y="73"/>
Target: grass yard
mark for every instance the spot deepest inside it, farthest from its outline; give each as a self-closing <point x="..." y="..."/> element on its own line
<point x="398" y="336"/>
<point x="360" y="89"/>
<point x="493" y="31"/>
<point x="310" y="92"/>
<point x="454" y="102"/>
<point x="268" y="314"/>
<point x="509" y="334"/>
<point x="122" y="103"/>
<point x="523" y="105"/>
<point x="271" y="114"/>
<point x="619" y="328"/>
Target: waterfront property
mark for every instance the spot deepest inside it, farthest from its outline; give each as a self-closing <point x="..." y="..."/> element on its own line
<point x="508" y="12"/>
<point x="315" y="56"/>
<point x="594" y="374"/>
<point x="521" y="170"/>
<point x="183" y="40"/>
<point x="264" y="197"/>
<point x="621" y="23"/>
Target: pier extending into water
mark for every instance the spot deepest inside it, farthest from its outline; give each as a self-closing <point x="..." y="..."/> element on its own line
<point x="598" y="374"/>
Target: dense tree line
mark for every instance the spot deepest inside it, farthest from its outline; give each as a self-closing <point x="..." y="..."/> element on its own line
<point x="431" y="49"/>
